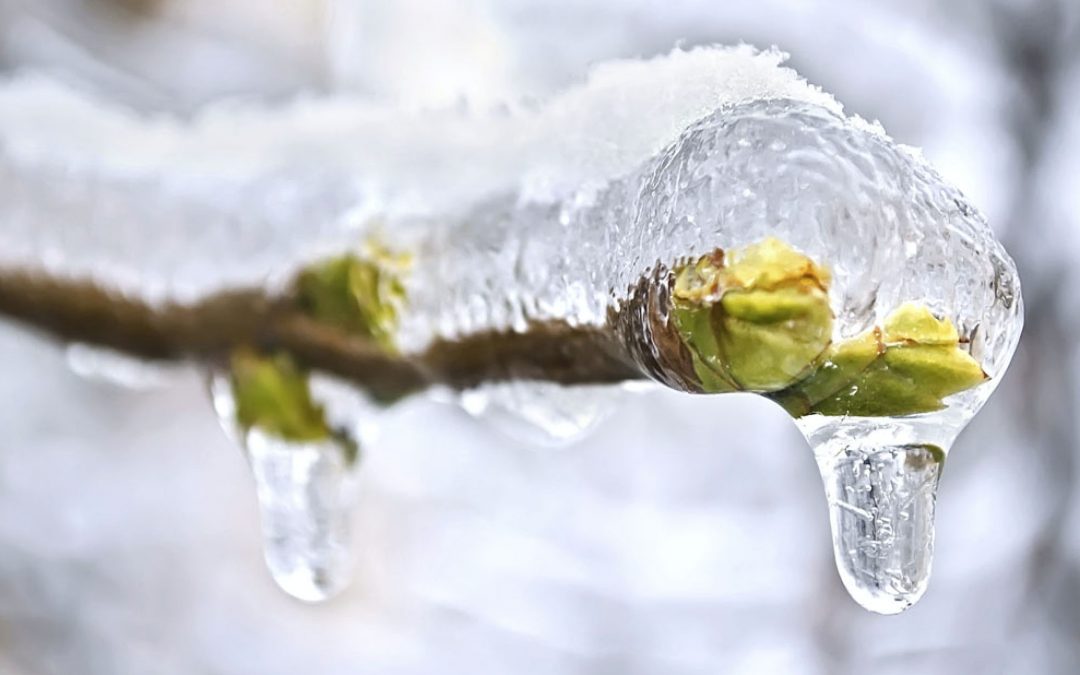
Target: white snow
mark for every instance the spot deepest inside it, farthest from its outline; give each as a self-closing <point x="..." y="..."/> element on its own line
<point x="624" y="112"/>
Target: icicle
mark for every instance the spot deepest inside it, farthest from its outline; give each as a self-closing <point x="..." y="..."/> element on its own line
<point x="881" y="511"/>
<point x="306" y="493"/>
<point x="881" y="480"/>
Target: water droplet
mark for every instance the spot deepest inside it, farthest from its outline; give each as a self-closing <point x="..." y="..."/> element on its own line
<point x="116" y="368"/>
<point x="542" y="413"/>
<point x="881" y="511"/>
<point x="306" y="493"/>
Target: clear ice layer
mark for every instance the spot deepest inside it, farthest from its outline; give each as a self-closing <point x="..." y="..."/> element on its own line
<point x="881" y="220"/>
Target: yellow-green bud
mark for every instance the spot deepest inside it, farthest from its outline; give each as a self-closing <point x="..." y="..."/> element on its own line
<point x="360" y="294"/>
<point x="272" y="394"/>
<point x="904" y="368"/>
<point x="755" y="320"/>
<point x="759" y="320"/>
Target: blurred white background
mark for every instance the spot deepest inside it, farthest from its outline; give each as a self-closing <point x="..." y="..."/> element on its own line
<point x="689" y="535"/>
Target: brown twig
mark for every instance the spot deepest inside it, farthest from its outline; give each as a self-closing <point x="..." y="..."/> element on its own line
<point x="206" y="332"/>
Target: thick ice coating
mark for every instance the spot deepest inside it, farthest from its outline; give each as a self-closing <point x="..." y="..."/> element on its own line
<point x="581" y="211"/>
<point x="172" y="208"/>
<point x="566" y="205"/>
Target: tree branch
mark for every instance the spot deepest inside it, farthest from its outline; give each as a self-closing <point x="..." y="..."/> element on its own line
<point x="207" y="332"/>
<point x="757" y="320"/>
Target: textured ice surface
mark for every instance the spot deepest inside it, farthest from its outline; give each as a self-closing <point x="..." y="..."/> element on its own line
<point x="555" y="212"/>
<point x="885" y="224"/>
<point x="243" y="194"/>
<point x="172" y="208"/>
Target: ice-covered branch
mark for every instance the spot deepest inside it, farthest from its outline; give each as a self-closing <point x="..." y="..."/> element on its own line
<point x="706" y="219"/>
<point x="140" y="234"/>
<point x="207" y="332"/>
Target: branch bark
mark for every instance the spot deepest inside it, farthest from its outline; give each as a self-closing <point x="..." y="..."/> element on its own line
<point x="206" y="332"/>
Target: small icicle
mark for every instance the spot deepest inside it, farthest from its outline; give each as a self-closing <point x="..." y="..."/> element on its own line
<point x="306" y="493"/>
<point x="881" y="510"/>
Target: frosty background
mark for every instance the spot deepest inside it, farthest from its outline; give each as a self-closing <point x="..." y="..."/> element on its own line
<point x="690" y="534"/>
